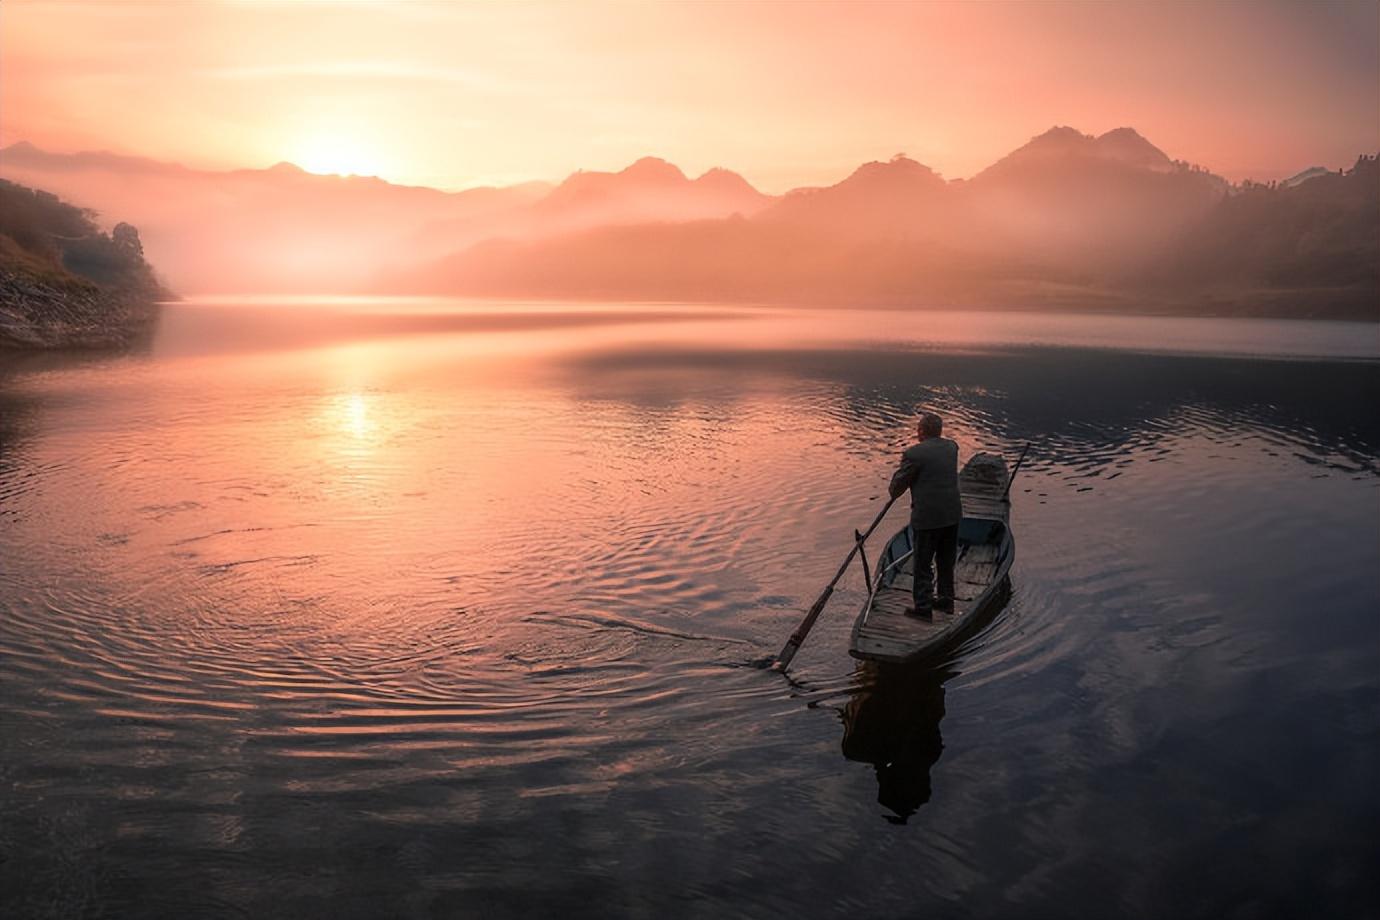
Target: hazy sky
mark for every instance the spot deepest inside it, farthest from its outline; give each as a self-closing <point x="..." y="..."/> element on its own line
<point x="456" y="94"/>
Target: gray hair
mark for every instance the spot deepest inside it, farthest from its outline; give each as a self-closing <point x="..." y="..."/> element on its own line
<point x="931" y="425"/>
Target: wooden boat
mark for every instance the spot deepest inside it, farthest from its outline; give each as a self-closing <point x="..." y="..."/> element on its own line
<point x="986" y="550"/>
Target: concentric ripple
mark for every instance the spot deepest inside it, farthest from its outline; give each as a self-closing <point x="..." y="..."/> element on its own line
<point x="366" y="622"/>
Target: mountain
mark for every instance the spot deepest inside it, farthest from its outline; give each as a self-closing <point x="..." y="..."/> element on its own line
<point x="1068" y="220"/>
<point x="284" y="229"/>
<point x="1064" y="147"/>
<point x="63" y="282"/>
<point x="811" y="244"/>
<point x="1073" y="200"/>
<point x="24" y="155"/>
<point x="649" y="190"/>
<point x="1065" y="205"/>
<point x="877" y="199"/>
<point x="275" y="229"/>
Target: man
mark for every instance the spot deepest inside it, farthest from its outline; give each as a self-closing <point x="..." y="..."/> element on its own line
<point x="930" y="470"/>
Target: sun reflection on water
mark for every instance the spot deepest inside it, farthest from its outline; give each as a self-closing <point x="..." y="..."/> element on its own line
<point x="351" y="426"/>
<point x="355" y="415"/>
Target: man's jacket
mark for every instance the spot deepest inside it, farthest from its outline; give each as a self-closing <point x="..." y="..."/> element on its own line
<point x="930" y="470"/>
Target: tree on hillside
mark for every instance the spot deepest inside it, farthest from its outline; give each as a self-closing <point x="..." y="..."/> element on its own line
<point x="126" y="240"/>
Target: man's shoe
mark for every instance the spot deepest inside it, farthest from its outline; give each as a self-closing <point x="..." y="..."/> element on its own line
<point x="945" y="605"/>
<point x="920" y="613"/>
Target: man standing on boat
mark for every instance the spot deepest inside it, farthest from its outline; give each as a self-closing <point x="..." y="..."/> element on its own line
<point x="930" y="470"/>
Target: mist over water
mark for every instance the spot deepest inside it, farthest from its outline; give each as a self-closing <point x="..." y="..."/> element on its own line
<point x="433" y="608"/>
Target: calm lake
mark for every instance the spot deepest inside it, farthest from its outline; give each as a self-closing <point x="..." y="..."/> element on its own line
<point x="446" y="609"/>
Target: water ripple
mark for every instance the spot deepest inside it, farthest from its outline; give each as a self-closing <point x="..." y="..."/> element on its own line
<point x="402" y="621"/>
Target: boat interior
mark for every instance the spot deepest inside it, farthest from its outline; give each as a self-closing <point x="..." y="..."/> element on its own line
<point x="887" y="631"/>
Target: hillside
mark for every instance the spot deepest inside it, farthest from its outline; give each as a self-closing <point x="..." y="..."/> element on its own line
<point x="1320" y="234"/>
<point x="64" y="282"/>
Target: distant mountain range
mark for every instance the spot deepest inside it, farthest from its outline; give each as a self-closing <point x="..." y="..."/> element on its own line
<point x="650" y="190"/>
<point x="284" y="229"/>
<point x="275" y="229"/>
<point x="1068" y="219"/>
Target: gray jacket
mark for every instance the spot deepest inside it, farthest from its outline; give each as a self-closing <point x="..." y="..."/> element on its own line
<point x="930" y="470"/>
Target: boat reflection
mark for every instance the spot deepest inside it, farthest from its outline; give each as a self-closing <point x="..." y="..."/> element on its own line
<point x="892" y="722"/>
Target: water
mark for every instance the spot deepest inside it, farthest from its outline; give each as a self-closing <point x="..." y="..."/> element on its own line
<point x="430" y="609"/>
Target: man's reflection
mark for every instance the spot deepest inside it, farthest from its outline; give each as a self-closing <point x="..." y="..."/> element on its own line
<point x="892" y="722"/>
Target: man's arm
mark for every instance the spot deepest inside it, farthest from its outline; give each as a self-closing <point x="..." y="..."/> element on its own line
<point x="903" y="477"/>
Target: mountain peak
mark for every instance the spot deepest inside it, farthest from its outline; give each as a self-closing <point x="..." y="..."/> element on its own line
<point x="1062" y="144"/>
<point x="718" y="172"/>
<point x="654" y="169"/>
<point x="650" y="189"/>
<point x="1063" y="134"/>
<point x="879" y="196"/>
<point x="1129" y="146"/>
<point x="20" y="147"/>
<point x="898" y="167"/>
<point x="725" y="180"/>
<point x="1060" y="140"/>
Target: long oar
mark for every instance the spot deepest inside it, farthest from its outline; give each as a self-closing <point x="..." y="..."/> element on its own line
<point x="797" y="638"/>
<point x="1012" y="478"/>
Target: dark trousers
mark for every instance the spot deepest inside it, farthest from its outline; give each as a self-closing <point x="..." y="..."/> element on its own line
<point x="934" y="548"/>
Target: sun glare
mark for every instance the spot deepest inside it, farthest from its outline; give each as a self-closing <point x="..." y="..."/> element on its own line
<point x="333" y="154"/>
<point x="354" y="415"/>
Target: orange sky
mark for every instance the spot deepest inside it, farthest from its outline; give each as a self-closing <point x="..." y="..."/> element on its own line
<point x="455" y="94"/>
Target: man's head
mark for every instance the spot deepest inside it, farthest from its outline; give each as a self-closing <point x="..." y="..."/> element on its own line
<point x="931" y="426"/>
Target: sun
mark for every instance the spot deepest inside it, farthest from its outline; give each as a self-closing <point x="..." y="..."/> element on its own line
<point x="336" y="154"/>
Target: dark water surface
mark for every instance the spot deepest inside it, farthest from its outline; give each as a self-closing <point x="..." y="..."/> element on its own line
<point x="448" y="610"/>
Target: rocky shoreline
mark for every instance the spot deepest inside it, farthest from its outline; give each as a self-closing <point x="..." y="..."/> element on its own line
<point x="36" y="313"/>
